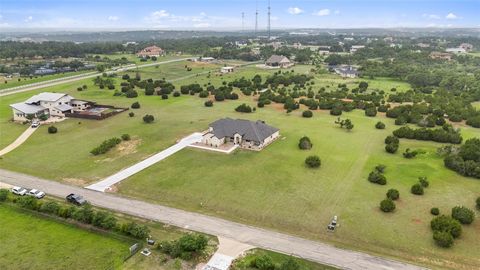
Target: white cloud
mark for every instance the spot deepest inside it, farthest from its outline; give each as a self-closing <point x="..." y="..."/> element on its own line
<point x="28" y="19"/>
<point x="4" y="25"/>
<point x="451" y="16"/>
<point x="113" y="18"/>
<point x="201" y="25"/>
<point x="431" y="16"/>
<point x="295" y="10"/>
<point x="336" y="12"/>
<point x="160" y="14"/>
<point x="323" y="12"/>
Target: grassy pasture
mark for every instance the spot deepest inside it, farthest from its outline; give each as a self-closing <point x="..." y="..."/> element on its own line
<point x="271" y="188"/>
<point x="32" y="242"/>
<point x="13" y="82"/>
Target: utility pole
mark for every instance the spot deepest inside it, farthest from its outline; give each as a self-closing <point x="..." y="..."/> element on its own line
<point x="256" y="17"/>
<point x="269" y="33"/>
<point x="243" y="21"/>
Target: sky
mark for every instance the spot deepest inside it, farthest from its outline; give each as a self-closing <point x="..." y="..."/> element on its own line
<point x="227" y="14"/>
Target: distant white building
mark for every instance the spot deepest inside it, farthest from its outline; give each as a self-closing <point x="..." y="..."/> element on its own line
<point x="455" y="50"/>
<point x="278" y="61"/>
<point x="466" y="46"/>
<point x="346" y="71"/>
<point x="226" y="70"/>
<point x="355" y="48"/>
<point x="48" y="104"/>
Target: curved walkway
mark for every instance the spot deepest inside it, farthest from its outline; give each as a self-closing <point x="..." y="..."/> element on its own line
<point x="254" y="236"/>
<point x="21" y="139"/>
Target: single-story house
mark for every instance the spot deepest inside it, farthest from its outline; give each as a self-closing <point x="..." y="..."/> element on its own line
<point x="48" y="104"/>
<point x="226" y="70"/>
<point x="441" y="55"/>
<point x="355" y="48"/>
<point x="244" y="133"/>
<point x="466" y="46"/>
<point x="278" y="61"/>
<point x="151" y="51"/>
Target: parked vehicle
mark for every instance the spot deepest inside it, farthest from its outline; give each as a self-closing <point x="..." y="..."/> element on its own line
<point x="333" y="224"/>
<point x="36" y="193"/>
<point x="35" y="123"/>
<point x="19" y="191"/>
<point x="76" y="199"/>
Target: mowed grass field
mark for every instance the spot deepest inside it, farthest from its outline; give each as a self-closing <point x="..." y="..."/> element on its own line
<point x="13" y="82"/>
<point x="271" y="188"/>
<point x="31" y="242"/>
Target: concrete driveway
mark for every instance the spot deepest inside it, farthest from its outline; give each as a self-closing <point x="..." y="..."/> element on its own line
<point x="21" y="139"/>
<point x="125" y="173"/>
<point x="254" y="236"/>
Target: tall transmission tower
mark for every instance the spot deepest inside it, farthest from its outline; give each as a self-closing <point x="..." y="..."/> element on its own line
<point x="256" y="17"/>
<point x="269" y="33"/>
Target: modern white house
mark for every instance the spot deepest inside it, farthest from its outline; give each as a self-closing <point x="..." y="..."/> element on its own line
<point x="244" y="133"/>
<point x="346" y="71"/>
<point x="48" y="104"/>
<point x="227" y="70"/>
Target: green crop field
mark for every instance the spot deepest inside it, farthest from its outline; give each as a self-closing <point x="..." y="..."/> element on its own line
<point x="271" y="188"/>
<point x="32" y="242"/>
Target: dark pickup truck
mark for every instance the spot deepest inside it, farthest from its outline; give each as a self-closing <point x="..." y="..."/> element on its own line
<point x="76" y="199"/>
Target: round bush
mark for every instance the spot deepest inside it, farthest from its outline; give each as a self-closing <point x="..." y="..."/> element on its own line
<point x="131" y="114"/>
<point x="135" y="105"/>
<point x="435" y="211"/>
<point x="463" y="214"/>
<point x="387" y="205"/>
<point x="380" y="125"/>
<point x="417" y="189"/>
<point x="148" y="118"/>
<point x="446" y="224"/>
<point x="313" y="162"/>
<point x="377" y="178"/>
<point x="52" y="129"/>
<point x="336" y="111"/>
<point x="305" y="143"/>
<point x="391" y="139"/>
<point x="176" y="94"/>
<point x="443" y="239"/>
<point x="126" y="137"/>
<point x="307" y="114"/>
<point x="393" y="194"/>
<point x="164" y="96"/>
<point x="208" y="103"/>
<point x="391" y="148"/>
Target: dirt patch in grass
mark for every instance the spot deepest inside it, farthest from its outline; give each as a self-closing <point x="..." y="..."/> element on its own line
<point x="75" y="181"/>
<point x="128" y="147"/>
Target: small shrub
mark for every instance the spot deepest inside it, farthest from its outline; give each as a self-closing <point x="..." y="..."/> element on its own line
<point x="391" y="148"/>
<point x="176" y="94"/>
<point x="52" y="129"/>
<point x="50" y="208"/>
<point x="135" y="105"/>
<point x="393" y="194"/>
<point x="446" y="224"/>
<point x="443" y="239"/>
<point x="244" y="108"/>
<point x="305" y="143"/>
<point x="148" y="118"/>
<point x="208" y="103"/>
<point x="478" y="203"/>
<point x="387" y="205"/>
<point x="463" y="214"/>
<point x="380" y="168"/>
<point x="131" y="114"/>
<point x="380" y="125"/>
<point x="391" y="139"/>
<point x="164" y="96"/>
<point x="105" y="146"/>
<point x="313" y="162"/>
<point x="263" y="262"/>
<point x="377" y="178"/>
<point x="423" y="181"/>
<point x="126" y="137"/>
<point x="435" y="211"/>
<point x="417" y="189"/>
<point x="4" y="194"/>
<point x="131" y="93"/>
<point x="307" y="114"/>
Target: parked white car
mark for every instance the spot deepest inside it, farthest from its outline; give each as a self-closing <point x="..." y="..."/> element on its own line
<point x="19" y="191"/>
<point x="35" y="123"/>
<point x="36" y="193"/>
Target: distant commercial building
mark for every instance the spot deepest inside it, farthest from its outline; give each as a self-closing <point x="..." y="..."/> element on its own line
<point x="226" y="70"/>
<point x="151" y="51"/>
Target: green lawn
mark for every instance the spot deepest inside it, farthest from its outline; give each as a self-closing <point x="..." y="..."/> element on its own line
<point x="13" y="82"/>
<point x="271" y="188"/>
<point x="134" y="59"/>
<point x="32" y="242"/>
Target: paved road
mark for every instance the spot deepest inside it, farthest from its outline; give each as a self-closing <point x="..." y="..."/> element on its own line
<point x="21" y="139"/>
<point x="125" y="173"/>
<point x="254" y="236"/>
<point x="30" y="87"/>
